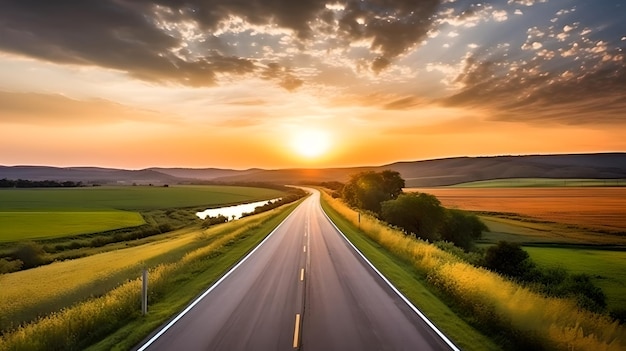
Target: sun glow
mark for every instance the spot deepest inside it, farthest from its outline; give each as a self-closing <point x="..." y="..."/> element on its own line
<point x="311" y="143"/>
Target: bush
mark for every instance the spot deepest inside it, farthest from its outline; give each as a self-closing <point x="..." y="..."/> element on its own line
<point x="30" y="253"/>
<point x="509" y="259"/>
<point x="619" y="314"/>
<point x="8" y="266"/>
<point x="461" y="228"/>
<point x="418" y="213"/>
<point x="209" y="221"/>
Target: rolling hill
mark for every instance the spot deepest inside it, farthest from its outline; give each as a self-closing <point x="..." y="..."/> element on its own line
<point x="426" y="173"/>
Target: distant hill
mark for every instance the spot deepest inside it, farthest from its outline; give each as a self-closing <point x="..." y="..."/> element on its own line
<point x="202" y="173"/>
<point x="450" y="171"/>
<point x="427" y="173"/>
<point x="86" y="175"/>
<point x="467" y="169"/>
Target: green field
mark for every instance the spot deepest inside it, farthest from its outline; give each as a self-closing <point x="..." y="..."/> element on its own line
<point x="39" y="225"/>
<point x="129" y="197"/>
<point x="606" y="268"/>
<point x="552" y="245"/>
<point x="540" y="182"/>
<point x="55" y="212"/>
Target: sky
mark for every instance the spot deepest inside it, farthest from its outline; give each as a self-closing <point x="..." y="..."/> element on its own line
<point x="308" y="83"/>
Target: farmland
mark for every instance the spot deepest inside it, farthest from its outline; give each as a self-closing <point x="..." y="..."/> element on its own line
<point x="541" y="182"/>
<point x="57" y="212"/>
<point x="588" y="207"/>
<point x="578" y="229"/>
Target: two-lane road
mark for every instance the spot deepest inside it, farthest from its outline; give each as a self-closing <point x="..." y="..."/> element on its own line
<point x="304" y="287"/>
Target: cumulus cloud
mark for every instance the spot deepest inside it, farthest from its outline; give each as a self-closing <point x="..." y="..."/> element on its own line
<point x="193" y="42"/>
<point x="528" y="93"/>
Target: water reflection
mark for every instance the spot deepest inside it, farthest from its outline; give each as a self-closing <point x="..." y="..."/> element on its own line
<point x="233" y="212"/>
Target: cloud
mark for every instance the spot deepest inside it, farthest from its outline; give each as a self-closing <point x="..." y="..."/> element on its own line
<point x="403" y="103"/>
<point x="193" y="42"/>
<point x="525" y="2"/>
<point x="283" y="75"/>
<point x="527" y="93"/>
<point x="58" y="110"/>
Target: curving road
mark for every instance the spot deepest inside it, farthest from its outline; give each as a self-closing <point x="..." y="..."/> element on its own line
<point x="303" y="288"/>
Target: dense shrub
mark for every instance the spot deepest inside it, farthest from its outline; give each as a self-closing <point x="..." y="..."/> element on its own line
<point x="461" y="228"/>
<point x="419" y="214"/>
<point x="30" y="253"/>
<point x="209" y="221"/>
<point x="509" y="259"/>
<point x="8" y="266"/>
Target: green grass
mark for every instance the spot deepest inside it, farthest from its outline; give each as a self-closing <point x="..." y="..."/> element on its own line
<point x="129" y="197"/>
<point x="414" y="287"/>
<point x="39" y="225"/>
<point x="606" y="268"/>
<point x="540" y="182"/>
<point x="577" y="250"/>
<point x="27" y="214"/>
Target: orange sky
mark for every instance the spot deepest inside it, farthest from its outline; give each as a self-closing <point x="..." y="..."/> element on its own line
<point x="97" y="87"/>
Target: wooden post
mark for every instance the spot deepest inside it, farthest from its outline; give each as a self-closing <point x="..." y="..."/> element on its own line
<point x="144" y="292"/>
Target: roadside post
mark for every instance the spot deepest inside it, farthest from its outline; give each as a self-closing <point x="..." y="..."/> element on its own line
<point x="144" y="292"/>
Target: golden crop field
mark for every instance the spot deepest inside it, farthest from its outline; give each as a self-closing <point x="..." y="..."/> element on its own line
<point x="29" y="293"/>
<point x="600" y="208"/>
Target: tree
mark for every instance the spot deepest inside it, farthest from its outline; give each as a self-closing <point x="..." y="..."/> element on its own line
<point x="418" y="213"/>
<point x="461" y="229"/>
<point x="392" y="184"/>
<point x="367" y="190"/>
<point x="509" y="259"/>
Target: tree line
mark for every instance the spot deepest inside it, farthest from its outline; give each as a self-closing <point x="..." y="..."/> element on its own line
<point x="25" y="183"/>
<point x="418" y="214"/>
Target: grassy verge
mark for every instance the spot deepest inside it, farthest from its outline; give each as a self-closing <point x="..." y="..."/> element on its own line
<point x="413" y="285"/>
<point x="516" y="317"/>
<point x="114" y="319"/>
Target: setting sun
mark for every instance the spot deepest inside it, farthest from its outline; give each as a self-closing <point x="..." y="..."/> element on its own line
<point x="311" y="143"/>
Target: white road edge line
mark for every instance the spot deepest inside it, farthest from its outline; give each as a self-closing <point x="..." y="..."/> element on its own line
<point x="417" y="311"/>
<point x="196" y="301"/>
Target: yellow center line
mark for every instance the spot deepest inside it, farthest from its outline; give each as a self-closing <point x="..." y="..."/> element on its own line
<point x="304" y="248"/>
<point x="302" y="274"/>
<point x="296" y="332"/>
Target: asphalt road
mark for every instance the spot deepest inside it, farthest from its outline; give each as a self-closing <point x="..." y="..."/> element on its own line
<point x="303" y="288"/>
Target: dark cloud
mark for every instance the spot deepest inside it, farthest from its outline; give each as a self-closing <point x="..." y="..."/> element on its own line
<point x="594" y="95"/>
<point x="134" y="36"/>
<point x="112" y="34"/>
<point x="394" y="26"/>
<point x="283" y="75"/>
